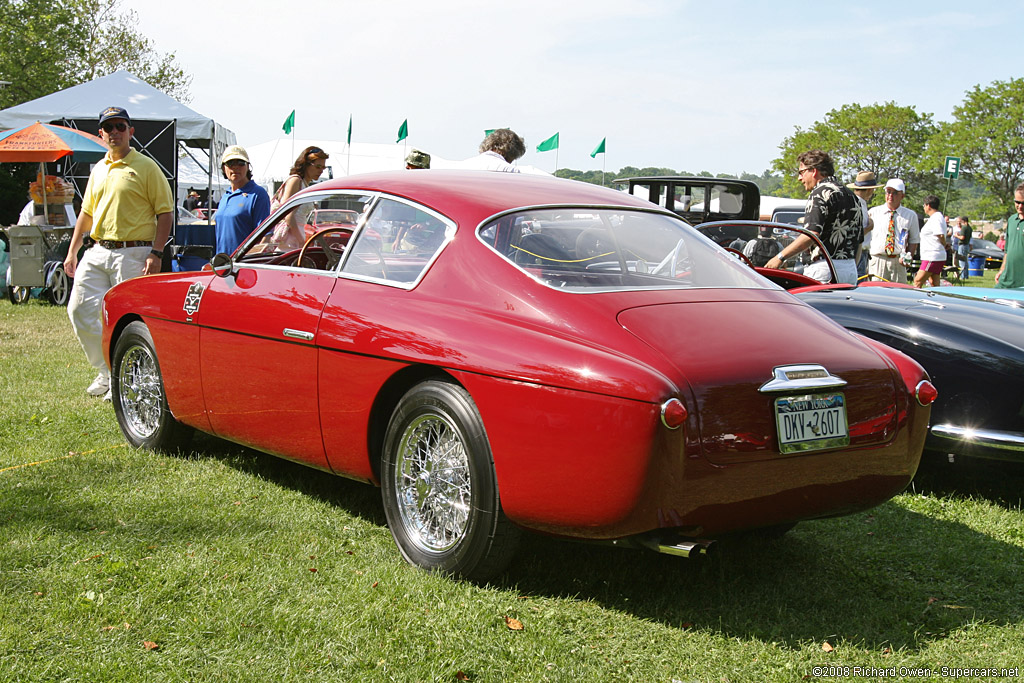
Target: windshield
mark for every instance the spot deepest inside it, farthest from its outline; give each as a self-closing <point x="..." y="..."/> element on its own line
<point x="583" y="249"/>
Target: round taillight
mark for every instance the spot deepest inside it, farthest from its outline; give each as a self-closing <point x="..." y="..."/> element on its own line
<point x="926" y="393"/>
<point x="673" y="413"/>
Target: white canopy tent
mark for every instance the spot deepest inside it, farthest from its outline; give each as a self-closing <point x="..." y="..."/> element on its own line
<point x="272" y="160"/>
<point x="200" y="139"/>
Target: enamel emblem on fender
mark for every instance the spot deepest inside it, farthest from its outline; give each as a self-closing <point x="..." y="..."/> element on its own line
<point x="193" y="297"/>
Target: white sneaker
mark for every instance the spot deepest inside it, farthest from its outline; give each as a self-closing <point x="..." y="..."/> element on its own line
<point x="107" y="396"/>
<point x="99" y="386"/>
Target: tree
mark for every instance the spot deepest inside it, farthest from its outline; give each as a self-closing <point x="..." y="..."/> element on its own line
<point x="113" y="42"/>
<point x="987" y="133"/>
<point x="885" y="138"/>
<point x="36" y="39"/>
<point x="49" y="45"/>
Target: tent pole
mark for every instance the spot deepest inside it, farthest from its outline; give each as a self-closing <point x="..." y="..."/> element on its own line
<point x="42" y="178"/>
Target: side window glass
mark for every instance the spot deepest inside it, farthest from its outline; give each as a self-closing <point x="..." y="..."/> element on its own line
<point x="398" y="242"/>
<point x="313" y="233"/>
<point x="730" y="200"/>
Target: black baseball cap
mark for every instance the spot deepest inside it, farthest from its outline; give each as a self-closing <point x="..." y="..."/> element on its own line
<point x="115" y="113"/>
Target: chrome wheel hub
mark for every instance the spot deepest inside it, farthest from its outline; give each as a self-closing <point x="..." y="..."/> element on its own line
<point x="433" y="483"/>
<point x="138" y="385"/>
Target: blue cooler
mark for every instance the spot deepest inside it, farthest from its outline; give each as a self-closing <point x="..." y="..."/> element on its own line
<point x="975" y="266"/>
<point x="193" y="247"/>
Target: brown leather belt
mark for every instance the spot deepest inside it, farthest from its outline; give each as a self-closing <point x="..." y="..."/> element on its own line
<point x="114" y="244"/>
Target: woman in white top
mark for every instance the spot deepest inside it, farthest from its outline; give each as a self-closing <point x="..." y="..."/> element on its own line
<point x="306" y="170"/>
<point x="933" y="244"/>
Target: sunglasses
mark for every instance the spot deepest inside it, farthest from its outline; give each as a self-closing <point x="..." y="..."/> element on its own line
<point x="801" y="171"/>
<point x="235" y="163"/>
<point x="314" y="150"/>
<point x="121" y="127"/>
<point x="1018" y="202"/>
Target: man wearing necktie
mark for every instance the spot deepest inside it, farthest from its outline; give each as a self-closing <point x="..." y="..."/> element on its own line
<point x="895" y="235"/>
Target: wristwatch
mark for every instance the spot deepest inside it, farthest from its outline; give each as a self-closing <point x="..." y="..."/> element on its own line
<point x="157" y="253"/>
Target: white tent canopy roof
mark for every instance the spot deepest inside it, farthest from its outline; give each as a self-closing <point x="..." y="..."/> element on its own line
<point x="272" y="160"/>
<point x="120" y="89"/>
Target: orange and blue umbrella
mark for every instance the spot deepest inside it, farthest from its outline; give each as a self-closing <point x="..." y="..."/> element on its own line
<point x="46" y="142"/>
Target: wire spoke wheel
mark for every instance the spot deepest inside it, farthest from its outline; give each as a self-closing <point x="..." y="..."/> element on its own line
<point x="140" y="402"/>
<point x="439" y="487"/>
<point x="141" y="393"/>
<point x="434" y="487"/>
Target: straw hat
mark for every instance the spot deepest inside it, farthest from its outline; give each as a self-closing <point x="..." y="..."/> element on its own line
<point x="866" y="180"/>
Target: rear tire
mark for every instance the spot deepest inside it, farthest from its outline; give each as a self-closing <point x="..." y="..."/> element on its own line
<point x="59" y="289"/>
<point x="137" y="392"/>
<point x="439" y="487"/>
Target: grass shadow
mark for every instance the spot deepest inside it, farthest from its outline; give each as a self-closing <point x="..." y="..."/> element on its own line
<point x="999" y="482"/>
<point x="360" y="499"/>
<point x="889" y="578"/>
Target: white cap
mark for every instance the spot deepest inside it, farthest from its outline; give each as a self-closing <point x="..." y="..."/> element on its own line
<point x="234" y="152"/>
<point x="896" y="184"/>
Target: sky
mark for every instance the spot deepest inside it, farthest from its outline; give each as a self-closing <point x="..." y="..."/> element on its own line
<point x="692" y="86"/>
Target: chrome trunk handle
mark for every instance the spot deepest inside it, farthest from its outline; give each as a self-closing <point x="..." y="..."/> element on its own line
<point x="790" y="378"/>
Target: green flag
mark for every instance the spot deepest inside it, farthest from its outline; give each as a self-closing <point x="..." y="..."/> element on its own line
<point x="599" y="149"/>
<point x="549" y="144"/>
<point x="289" y="123"/>
<point x="350" y="129"/>
<point x="488" y="131"/>
<point x="403" y="131"/>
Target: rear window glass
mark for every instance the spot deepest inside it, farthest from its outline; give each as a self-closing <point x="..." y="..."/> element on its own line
<point x="583" y="249"/>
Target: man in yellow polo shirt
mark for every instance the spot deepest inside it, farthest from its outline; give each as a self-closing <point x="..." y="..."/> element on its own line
<point x="127" y="210"/>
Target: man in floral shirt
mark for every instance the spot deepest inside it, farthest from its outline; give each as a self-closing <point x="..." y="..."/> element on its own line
<point x="834" y="214"/>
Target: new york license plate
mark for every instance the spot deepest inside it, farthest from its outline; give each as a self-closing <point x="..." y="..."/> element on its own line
<point x="811" y="422"/>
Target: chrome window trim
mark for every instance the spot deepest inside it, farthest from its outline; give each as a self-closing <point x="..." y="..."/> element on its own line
<point x="376" y="196"/>
<point x="654" y="209"/>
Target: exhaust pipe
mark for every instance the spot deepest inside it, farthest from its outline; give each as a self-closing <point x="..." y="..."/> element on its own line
<point x="682" y="547"/>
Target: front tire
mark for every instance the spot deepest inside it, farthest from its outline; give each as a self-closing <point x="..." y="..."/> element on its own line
<point x="137" y="392"/>
<point x="439" y="487"/>
<point x="18" y="295"/>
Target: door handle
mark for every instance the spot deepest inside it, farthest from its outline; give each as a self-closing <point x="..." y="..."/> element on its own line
<point x="298" y="334"/>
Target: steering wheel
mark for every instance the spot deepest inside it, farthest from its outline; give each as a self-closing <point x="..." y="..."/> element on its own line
<point x="332" y="250"/>
<point x="740" y="254"/>
<point x="592" y="243"/>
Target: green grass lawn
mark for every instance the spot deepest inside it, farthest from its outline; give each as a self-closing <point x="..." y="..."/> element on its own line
<point x="226" y="564"/>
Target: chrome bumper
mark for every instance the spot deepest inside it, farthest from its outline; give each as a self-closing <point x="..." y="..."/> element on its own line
<point x="983" y="438"/>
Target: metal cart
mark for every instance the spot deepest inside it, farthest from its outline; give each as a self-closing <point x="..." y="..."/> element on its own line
<point x="37" y="254"/>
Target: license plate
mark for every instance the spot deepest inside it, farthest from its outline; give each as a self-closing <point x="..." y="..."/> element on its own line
<point x="811" y="422"/>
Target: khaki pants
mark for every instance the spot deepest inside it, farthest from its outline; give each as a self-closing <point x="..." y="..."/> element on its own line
<point x="99" y="270"/>
<point x="887" y="268"/>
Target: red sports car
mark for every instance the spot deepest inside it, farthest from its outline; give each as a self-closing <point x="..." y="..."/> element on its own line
<point x="502" y="352"/>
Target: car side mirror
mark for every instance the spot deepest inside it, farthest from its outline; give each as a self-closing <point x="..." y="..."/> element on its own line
<point x="222" y="265"/>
